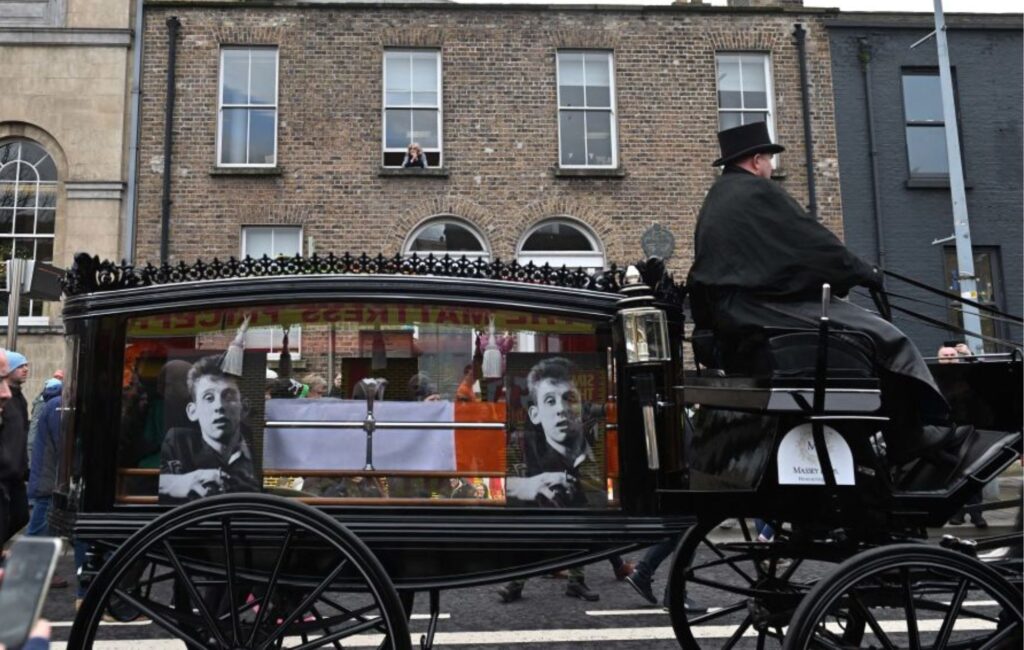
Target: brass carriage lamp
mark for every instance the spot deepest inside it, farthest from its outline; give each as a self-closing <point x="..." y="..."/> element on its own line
<point x="645" y="328"/>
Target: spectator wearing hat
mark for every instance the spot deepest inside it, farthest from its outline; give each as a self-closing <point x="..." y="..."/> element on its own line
<point x="42" y="478"/>
<point x="13" y="449"/>
<point x="37" y="405"/>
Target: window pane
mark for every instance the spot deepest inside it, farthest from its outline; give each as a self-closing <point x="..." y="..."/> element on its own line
<point x="25" y="221"/>
<point x="44" y="222"/>
<point x="47" y="196"/>
<point x="598" y="82"/>
<point x="397" y="72"/>
<point x="44" y="249"/>
<point x="233" y="131"/>
<point x="261" y="137"/>
<point x="397" y="127"/>
<point x="8" y="152"/>
<point x="571" y="133"/>
<point x="729" y="120"/>
<point x="258" y="242"/>
<point x="25" y="248"/>
<point x="424" y="128"/>
<point x="599" y="137"/>
<point x="6" y="221"/>
<point x="235" y="77"/>
<point x="27" y="173"/>
<point x="32" y="153"/>
<point x="557" y="237"/>
<point x="755" y="94"/>
<point x="264" y="77"/>
<point x="47" y="169"/>
<point x="287" y="241"/>
<point x="9" y="172"/>
<point x="446" y="237"/>
<point x="570" y="79"/>
<point x="926" y="149"/>
<point x="26" y="196"/>
<point x="751" y="117"/>
<point x="424" y="80"/>
<point x="6" y="195"/>
<point x="729" y="95"/>
<point x="922" y="99"/>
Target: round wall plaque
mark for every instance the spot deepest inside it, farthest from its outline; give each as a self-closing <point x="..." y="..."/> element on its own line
<point x="658" y="241"/>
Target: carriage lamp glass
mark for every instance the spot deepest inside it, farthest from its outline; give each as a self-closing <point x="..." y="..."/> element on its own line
<point x="646" y="333"/>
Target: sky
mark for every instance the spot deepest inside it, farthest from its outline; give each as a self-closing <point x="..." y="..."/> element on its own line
<point x="950" y="6"/>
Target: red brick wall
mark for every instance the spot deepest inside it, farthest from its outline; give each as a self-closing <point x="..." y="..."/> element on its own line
<point x="500" y="122"/>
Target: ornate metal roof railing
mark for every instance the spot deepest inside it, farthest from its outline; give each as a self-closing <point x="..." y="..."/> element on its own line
<point x="89" y="274"/>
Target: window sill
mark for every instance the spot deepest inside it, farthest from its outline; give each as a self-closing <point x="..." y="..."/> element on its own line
<point x="434" y="172"/>
<point x="246" y="171"/>
<point x="616" y="172"/>
<point x="932" y="183"/>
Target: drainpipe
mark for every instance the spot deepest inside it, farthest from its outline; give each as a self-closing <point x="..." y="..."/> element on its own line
<point x="165" y="209"/>
<point x="864" y="55"/>
<point x="128" y="214"/>
<point x="805" y="96"/>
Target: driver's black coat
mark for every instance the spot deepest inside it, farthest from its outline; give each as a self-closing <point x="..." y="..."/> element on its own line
<point x="760" y="260"/>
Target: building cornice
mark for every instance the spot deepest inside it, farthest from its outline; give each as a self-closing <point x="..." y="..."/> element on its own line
<point x="97" y="190"/>
<point x="877" y="20"/>
<point x="48" y="36"/>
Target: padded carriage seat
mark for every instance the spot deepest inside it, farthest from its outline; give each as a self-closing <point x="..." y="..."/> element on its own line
<point x="783" y="353"/>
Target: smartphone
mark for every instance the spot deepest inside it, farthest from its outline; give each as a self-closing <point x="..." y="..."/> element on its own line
<point x="27" y="574"/>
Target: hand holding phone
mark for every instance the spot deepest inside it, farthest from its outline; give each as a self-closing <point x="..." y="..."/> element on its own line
<point x="27" y="574"/>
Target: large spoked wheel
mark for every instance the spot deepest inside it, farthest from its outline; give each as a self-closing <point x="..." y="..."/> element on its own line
<point x="912" y="596"/>
<point x="742" y="588"/>
<point x="248" y="571"/>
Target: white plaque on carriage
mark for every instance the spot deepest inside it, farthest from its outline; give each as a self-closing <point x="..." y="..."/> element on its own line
<point x="798" y="459"/>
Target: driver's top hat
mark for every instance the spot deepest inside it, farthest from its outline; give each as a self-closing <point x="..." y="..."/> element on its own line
<point x="745" y="140"/>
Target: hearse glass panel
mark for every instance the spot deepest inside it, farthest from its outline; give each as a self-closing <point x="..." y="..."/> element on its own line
<point x="470" y="406"/>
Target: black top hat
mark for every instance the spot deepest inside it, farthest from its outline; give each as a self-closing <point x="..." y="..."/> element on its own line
<point x="745" y="140"/>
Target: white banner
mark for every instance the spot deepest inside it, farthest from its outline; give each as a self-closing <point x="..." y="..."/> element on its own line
<point x="798" y="459"/>
<point x="326" y="449"/>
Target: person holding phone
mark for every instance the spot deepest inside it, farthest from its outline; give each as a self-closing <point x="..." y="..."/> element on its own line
<point x="39" y="638"/>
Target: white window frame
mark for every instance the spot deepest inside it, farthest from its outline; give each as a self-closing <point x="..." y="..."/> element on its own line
<point x="612" y="109"/>
<point x="769" y="88"/>
<point x="273" y="232"/>
<point x="939" y="125"/>
<point x="593" y="260"/>
<point x="414" y="234"/>
<point x="44" y="320"/>
<point x="249" y="107"/>
<point x="438" y="107"/>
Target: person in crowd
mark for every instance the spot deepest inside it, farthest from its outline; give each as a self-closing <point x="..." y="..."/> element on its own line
<point x="13" y="445"/>
<point x="465" y="392"/>
<point x="963" y="351"/>
<point x="414" y="156"/>
<point x="283" y="388"/>
<point x="216" y="458"/>
<point x="460" y="489"/>
<point x="947" y="354"/>
<point x="423" y="388"/>
<point x="317" y="385"/>
<point x="42" y="477"/>
<point x="760" y="260"/>
<point x="37" y="405"/>
<point x="557" y="457"/>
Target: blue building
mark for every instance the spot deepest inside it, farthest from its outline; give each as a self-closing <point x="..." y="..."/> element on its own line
<point x="896" y="199"/>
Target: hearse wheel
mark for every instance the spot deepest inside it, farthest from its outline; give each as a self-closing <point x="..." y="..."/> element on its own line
<point x="248" y="571"/>
<point x="912" y="596"/>
<point x="742" y="588"/>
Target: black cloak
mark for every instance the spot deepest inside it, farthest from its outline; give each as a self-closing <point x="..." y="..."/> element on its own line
<point x="760" y="261"/>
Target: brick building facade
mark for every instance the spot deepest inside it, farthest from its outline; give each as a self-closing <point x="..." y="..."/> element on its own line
<point x="500" y="168"/>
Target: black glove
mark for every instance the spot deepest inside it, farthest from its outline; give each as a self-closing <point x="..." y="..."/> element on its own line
<point x="877" y="280"/>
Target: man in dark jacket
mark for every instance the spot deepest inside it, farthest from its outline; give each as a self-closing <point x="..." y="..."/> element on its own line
<point x="42" y="476"/>
<point x="13" y="457"/>
<point x="760" y="260"/>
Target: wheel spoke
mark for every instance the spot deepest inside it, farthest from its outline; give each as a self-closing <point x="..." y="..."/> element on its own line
<point x="355" y="614"/>
<point x="327" y="628"/>
<point x="730" y="562"/>
<point x="306" y="602"/>
<point x="725" y="611"/>
<point x="229" y="568"/>
<point x="760" y="640"/>
<point x="738" y="634"/>
<point x="999" y="640"/>
<point x="951" y="615"/>
<point x="739" y="591"/>
<point x="872" y="622"/>
<point x="271" y="584"/>
<point x="908" y="604"/>
<point x="193" y="593"/>
<point x="158" y="617"/>
<point x="340" y="634"/>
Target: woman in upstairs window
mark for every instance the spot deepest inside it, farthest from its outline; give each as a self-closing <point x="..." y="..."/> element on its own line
<point x="414" y="156"/>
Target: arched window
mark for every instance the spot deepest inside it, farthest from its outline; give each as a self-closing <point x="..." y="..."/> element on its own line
<point x="561" y="242"/>
<point x="447" y="235"/>
<point x="28" y="208"/>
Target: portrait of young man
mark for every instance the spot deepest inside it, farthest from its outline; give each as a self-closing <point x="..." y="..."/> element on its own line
<point x="558" y="464"/>
<point x="212" y="456"/>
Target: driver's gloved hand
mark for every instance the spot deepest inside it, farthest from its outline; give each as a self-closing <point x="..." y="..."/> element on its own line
<point x="877" y="279"/>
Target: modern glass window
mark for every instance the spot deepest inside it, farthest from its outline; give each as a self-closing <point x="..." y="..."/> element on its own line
<point x="28" y="212"/>
<point x="926" y="128"/>
<point x="412" y="104"/>
<point x="561" y="243"/>
<point x="247" y="117"/>
<point x="586" y="110"/>
<point x="273" y="241"/>
<point x="986" y="270"/>
<point x="447" y="236"/>
<point x="744" y="89"/>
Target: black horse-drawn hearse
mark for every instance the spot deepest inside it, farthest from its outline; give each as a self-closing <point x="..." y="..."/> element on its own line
<point x="487" y="421"/>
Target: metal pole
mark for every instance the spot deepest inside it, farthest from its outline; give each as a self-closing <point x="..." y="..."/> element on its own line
<point x="15" y="272"/>
<point x="961" y="225"/>
<point x="805" y="98"/>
